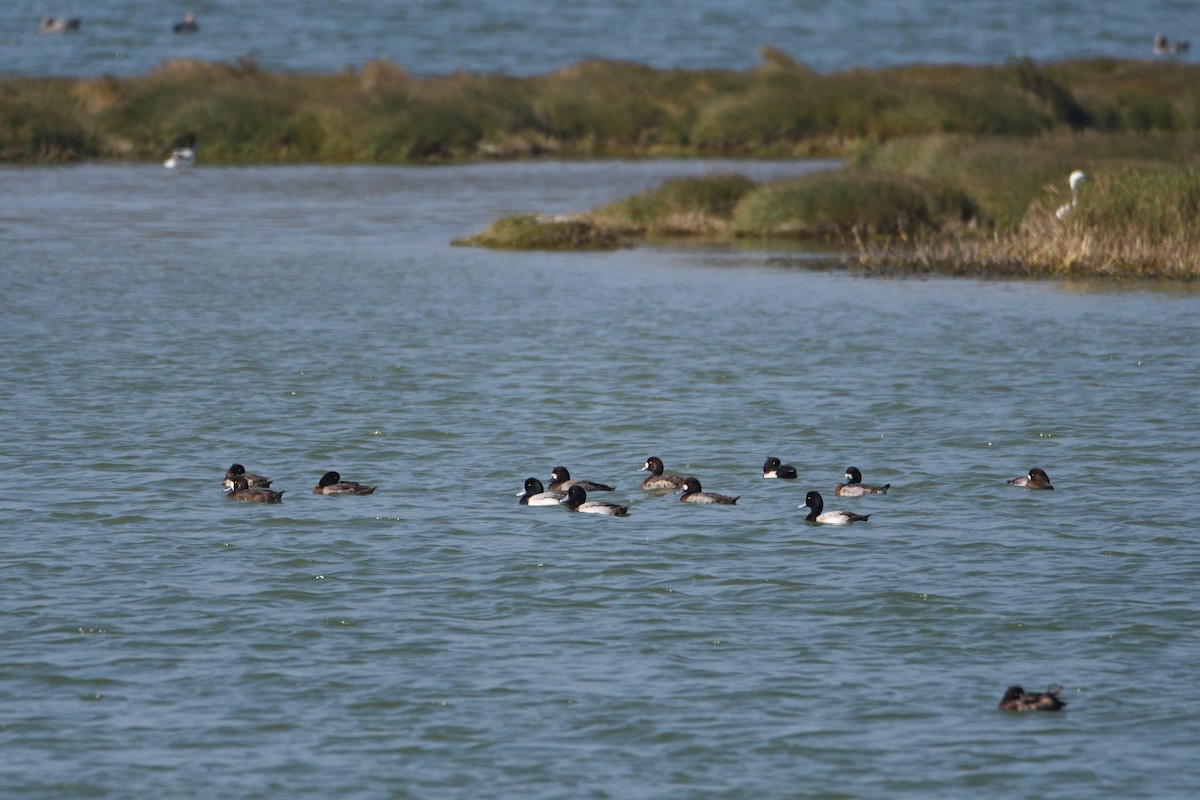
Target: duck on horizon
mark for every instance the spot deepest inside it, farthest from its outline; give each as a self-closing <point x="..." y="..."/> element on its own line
<point x="188" y="25"/>
<point x="1017" y="699"/>
<point x="60" y="24"/>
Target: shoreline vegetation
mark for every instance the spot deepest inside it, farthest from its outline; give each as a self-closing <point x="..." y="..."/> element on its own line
<point x="953" y="169"/>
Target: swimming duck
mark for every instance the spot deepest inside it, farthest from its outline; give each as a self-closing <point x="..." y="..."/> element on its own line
<point x="576" y="500"/>
<point x="240" y="490"/>
<point x="188" y="25"/>
<point x="1165" y="47"/>
<point x="691" y="493"/>
<point x="1077" y="177"/>
<point x="817" y="513"/>
<point x="183" y="156"/>
<point x="60" y="24"/>
<point x="656" y="479"/>
<point x="1036" y="479"/>
<point x="854" y="487"/>
<point x="774" y="468"/>
<point x="252" y="480"/>
<point x="536" y="495"/>
<point x="560" y="479"/>
<point x="1017" y="699"/>
<point x="332" y="483"/>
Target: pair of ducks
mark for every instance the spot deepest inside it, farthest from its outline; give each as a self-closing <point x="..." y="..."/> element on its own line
<point x="242" y="485"/>
<point x="853" y="486"/>
<point x="1017" y="699"/>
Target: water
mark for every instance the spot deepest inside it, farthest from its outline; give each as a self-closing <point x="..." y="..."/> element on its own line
<point x="522" y="37"/>
<point x="435" y="639"/>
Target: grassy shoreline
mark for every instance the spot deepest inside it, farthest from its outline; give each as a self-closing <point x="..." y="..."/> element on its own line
<point x="950" y="168"/>
<point x="381" y="114"/>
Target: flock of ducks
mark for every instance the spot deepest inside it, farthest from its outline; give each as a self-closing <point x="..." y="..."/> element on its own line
<point x="572" y="494"/>
<point x="251" y="488"/>
<point x="71" y="24"/>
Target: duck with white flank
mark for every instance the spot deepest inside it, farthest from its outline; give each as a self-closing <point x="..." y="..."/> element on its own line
<point x="536" y="495"/>
<point x="576" y="500"/>
<point x="774" y="468"/>
<point x="817" y="513"/>
<point x="854" y="487"/>
<point x="332" y="483"/>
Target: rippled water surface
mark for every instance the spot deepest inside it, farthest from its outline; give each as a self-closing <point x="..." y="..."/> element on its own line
<point x="436" y="640"/>
<point x="533" y="36"/>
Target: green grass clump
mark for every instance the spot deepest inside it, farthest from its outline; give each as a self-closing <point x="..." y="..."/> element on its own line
<point x="843" y="204"/>
<point x="680" y="207"/>
<point x="541" y="232"/>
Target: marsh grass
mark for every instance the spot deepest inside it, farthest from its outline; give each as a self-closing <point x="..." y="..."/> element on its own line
<point x="543" y="232"/>
<point x="1132" y="221"/>
<point x="380" y="113"/>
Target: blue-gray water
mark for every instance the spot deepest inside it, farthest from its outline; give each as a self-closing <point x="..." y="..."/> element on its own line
<point x="532" y="36"/>
<point x="436" y="640"/>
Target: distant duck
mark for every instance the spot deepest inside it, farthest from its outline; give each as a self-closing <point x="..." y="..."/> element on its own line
<point x="183" y="156"/>
<point x="536" y="495"/>
<point x="817" y="513"/>
<point x="1165" y="47"/>
<point x="692" y="493"/>
<point x="854" y="487"/>
<point x="656" y="479"/>
<point x="1017" y="699"/>
<point x="1036" y="479"/>
<point x="60" y="24"/>
<point x="332" y="483"/>
<point x="1074" y="180"/>
<point x="576" y="500"/>
<point x="240" y="490"/>
<point x="252" y="480"/>
<point x="774" y="468"/>
<point x="560" y="480"/>
<point x="188" y="25"/>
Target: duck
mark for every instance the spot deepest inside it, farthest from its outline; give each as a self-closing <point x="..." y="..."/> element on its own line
<point x="60" y="24"/>
<point x="332" y="483"/>
<point x="774" y="468"/>
<point x="1165" y="47"/>
<point x="817" y="513"/>
<point x="560" y="480"/>
<point x="691" y="492"/>
<point x="241" y="490"/>
<point x="1036" y="479"/>
<point x="188" y="25"/>
<point x="1077" y="177"/>
<point x="656" y="479"/>
<point x="536" y="495"/>
<point x="1017" y="699"/>
<point x="183" y="156"/>
<point x="854" y="487"/>
<point x="576" y="500"/>
<point x="252" y="480"/>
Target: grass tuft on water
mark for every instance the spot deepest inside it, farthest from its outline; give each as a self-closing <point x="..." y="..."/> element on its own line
<point x="543" y="232"/>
